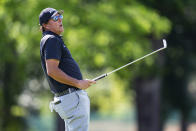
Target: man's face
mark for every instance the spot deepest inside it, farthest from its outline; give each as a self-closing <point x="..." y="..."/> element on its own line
<point x="55" y="26"/>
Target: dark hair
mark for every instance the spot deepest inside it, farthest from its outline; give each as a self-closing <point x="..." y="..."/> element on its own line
<point x="42" y="27"/>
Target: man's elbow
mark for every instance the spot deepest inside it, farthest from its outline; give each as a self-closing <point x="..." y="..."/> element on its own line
<point x="52" y="67"/>
<point x="50" y="72"/>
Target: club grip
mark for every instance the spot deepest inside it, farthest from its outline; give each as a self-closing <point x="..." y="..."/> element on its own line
<point x="99" y="77"/>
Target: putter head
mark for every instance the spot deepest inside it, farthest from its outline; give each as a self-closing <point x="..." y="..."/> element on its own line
<point x="164" y="43"/>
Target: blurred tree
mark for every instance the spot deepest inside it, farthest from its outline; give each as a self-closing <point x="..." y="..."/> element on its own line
<point x="11" y="81"/>
<point x="179" y="65"/>
<point x="18" y="62"/>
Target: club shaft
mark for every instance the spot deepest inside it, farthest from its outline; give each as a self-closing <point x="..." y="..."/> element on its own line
<point x="106" y="74"/>
<point x="135" y="61"/>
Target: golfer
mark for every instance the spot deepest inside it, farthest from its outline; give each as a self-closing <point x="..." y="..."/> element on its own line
<point x="71" y="102"/>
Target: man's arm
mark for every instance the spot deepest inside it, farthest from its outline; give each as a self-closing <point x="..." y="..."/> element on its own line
<point x="57" y="74"/>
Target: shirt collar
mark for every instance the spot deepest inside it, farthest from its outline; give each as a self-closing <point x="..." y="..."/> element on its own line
<point x="51" y="33"/>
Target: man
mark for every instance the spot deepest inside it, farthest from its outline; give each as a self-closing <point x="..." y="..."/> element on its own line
<point x="63" y="74"/>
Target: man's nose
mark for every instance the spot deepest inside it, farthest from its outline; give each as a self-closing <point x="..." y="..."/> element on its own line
<point x="59" y="20"/>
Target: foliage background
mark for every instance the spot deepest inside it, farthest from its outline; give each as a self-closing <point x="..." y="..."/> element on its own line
<point x="101" y="35"/>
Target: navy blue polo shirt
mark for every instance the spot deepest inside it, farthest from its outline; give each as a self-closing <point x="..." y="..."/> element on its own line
<point x="53" y="47"/>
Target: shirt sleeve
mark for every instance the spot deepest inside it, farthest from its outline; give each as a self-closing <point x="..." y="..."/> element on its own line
<point x="52" y="49"/>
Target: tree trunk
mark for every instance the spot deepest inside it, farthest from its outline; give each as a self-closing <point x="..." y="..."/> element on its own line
<point x="7" y="99"/>
<point x="184" y="122"/>
<point x="148" y="103"/>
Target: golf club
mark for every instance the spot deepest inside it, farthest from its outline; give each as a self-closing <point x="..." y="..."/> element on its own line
<point x="106" y="74"/>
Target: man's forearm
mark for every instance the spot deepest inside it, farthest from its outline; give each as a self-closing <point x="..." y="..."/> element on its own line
<point x="58" y="75"/>
<point x="62" y="77"/>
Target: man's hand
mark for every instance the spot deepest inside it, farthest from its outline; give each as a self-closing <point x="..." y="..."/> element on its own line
<point x="84" y="84"/>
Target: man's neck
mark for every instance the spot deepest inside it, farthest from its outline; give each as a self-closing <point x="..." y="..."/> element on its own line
<point x="54" y="32"/>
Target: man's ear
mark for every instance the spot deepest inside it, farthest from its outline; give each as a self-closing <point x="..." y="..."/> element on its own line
<point x="45" y="26"/>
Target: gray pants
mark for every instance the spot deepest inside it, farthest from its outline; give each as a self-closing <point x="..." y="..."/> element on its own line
<point x="74" y="109"/>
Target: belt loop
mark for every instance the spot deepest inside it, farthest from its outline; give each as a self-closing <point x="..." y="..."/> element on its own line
<point x="69" y="89"/>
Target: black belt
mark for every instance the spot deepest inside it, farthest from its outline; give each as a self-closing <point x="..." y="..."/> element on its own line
<point x="65" y="92"/>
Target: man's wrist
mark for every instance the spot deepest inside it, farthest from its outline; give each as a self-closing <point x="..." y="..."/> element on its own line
<point x="76" y="83"/>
